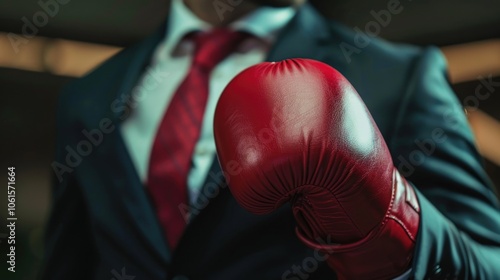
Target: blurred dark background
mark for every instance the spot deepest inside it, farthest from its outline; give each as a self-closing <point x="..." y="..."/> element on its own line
<point x="81" y="34"/>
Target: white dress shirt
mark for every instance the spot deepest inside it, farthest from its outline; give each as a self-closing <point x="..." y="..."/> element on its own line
<point x="172" y="59"/>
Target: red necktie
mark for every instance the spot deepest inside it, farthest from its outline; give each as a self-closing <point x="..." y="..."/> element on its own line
<point x="179" y="131"/>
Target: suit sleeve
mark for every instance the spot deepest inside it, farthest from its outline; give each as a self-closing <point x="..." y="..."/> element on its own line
<point x="433" y="147"/>
<point x="68" y="245"/>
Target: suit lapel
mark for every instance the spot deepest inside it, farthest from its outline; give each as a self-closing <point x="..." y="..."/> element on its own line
<point x="109" y="89"/>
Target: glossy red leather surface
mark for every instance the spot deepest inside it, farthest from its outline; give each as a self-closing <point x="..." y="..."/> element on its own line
<point x="297" y="131"/>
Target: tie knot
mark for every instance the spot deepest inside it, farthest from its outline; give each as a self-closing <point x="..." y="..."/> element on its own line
<point x="213" y="46"/>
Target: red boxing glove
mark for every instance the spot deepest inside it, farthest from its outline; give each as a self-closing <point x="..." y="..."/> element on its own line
<point x="300" y="133"/>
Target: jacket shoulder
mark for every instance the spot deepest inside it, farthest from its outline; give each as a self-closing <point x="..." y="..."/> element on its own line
<point x="384" y="73"/>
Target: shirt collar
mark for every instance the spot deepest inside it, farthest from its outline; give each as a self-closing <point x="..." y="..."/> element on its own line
<point x="264" y="23"/>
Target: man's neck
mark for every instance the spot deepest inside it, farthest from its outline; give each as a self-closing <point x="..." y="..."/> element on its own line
<point x="220" y="13"/>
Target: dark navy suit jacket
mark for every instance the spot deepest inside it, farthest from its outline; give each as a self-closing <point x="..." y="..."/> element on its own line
<point x="103" y="225"/>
